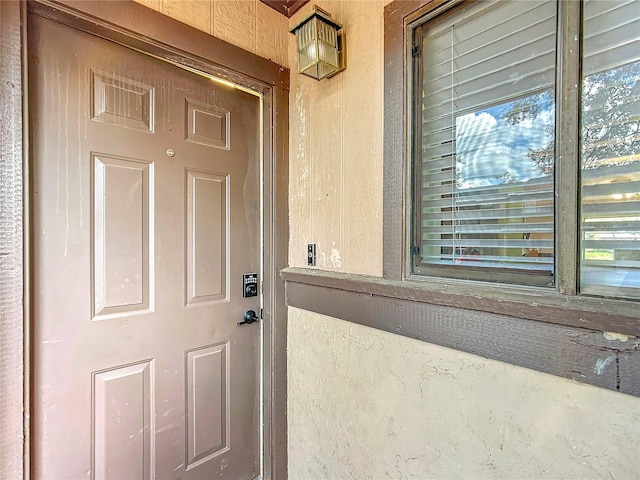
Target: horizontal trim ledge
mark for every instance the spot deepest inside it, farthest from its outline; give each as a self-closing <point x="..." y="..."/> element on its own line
<point x="584" y="355"/>
<point x="522" y="302"/>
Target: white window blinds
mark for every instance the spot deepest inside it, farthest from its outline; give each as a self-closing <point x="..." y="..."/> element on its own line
<point x="485" y="174"/>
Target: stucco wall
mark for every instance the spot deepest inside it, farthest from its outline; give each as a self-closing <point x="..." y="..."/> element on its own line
<point x="364" y="404"/>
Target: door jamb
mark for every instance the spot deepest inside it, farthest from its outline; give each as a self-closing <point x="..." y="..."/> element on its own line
<point x="152" y="33"/>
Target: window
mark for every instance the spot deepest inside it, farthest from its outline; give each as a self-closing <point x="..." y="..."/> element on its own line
<point x="610" y="149"/>
<point x="488" y="175"/>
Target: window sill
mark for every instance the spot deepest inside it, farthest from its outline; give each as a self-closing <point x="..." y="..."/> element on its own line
<point x="533" y="303"/>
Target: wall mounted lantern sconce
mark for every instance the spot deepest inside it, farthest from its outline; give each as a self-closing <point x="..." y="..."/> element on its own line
<point x="321" y="45"/>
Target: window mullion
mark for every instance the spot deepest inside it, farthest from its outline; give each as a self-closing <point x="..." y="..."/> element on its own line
<point x="567" y="146"/>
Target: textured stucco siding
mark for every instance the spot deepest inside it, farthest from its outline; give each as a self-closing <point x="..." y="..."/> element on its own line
<point x="364" y="404"/>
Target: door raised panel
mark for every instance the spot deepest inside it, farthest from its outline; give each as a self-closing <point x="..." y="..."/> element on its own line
<point x="207" y="403"/>
<point x="207" y="242"/>
<point x="123" y="439"/>
<point x="122" y="241"/>
<point x="207" y="124"/>
<point x="122" y="102"/>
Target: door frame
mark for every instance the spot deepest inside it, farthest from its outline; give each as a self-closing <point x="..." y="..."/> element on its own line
<point x="138" y="27"/>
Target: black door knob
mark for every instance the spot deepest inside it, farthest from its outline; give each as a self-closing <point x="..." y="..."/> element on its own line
<point x="249" y="317"/>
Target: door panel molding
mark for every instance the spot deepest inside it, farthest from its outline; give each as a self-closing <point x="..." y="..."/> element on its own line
<point x="207" y="237"/>
<point x="207" y="434"/>
<point x="111" y="94"/>
<point x="137" y="27"/>
<point x="134" y="429"/>
<point x="109" y="253"/>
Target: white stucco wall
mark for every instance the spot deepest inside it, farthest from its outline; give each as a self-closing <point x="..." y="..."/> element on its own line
<point x="366" y="404"/>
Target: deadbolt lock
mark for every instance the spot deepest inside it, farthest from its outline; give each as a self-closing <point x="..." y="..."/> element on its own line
<point x="250" y="285"/>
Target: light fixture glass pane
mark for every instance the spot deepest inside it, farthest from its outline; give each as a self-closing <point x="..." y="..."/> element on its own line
<point x="328" y="45"/>
<point x="307" y="45"/>
<point x="610" y="149"/>
<point x="317" y="49"/>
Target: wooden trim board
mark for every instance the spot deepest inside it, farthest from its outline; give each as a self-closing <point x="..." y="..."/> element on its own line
<point x="531" y="304"/>
<point x="286" y="7"/>
<point x="565" y="351"/>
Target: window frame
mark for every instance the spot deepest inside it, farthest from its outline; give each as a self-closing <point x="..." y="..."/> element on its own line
<point x="588" y="311"/>
<point x="563" y="101"/>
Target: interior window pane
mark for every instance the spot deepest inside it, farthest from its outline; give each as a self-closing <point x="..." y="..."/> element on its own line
<point x="610" y="148"/>
<point x="485" y="174"/>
